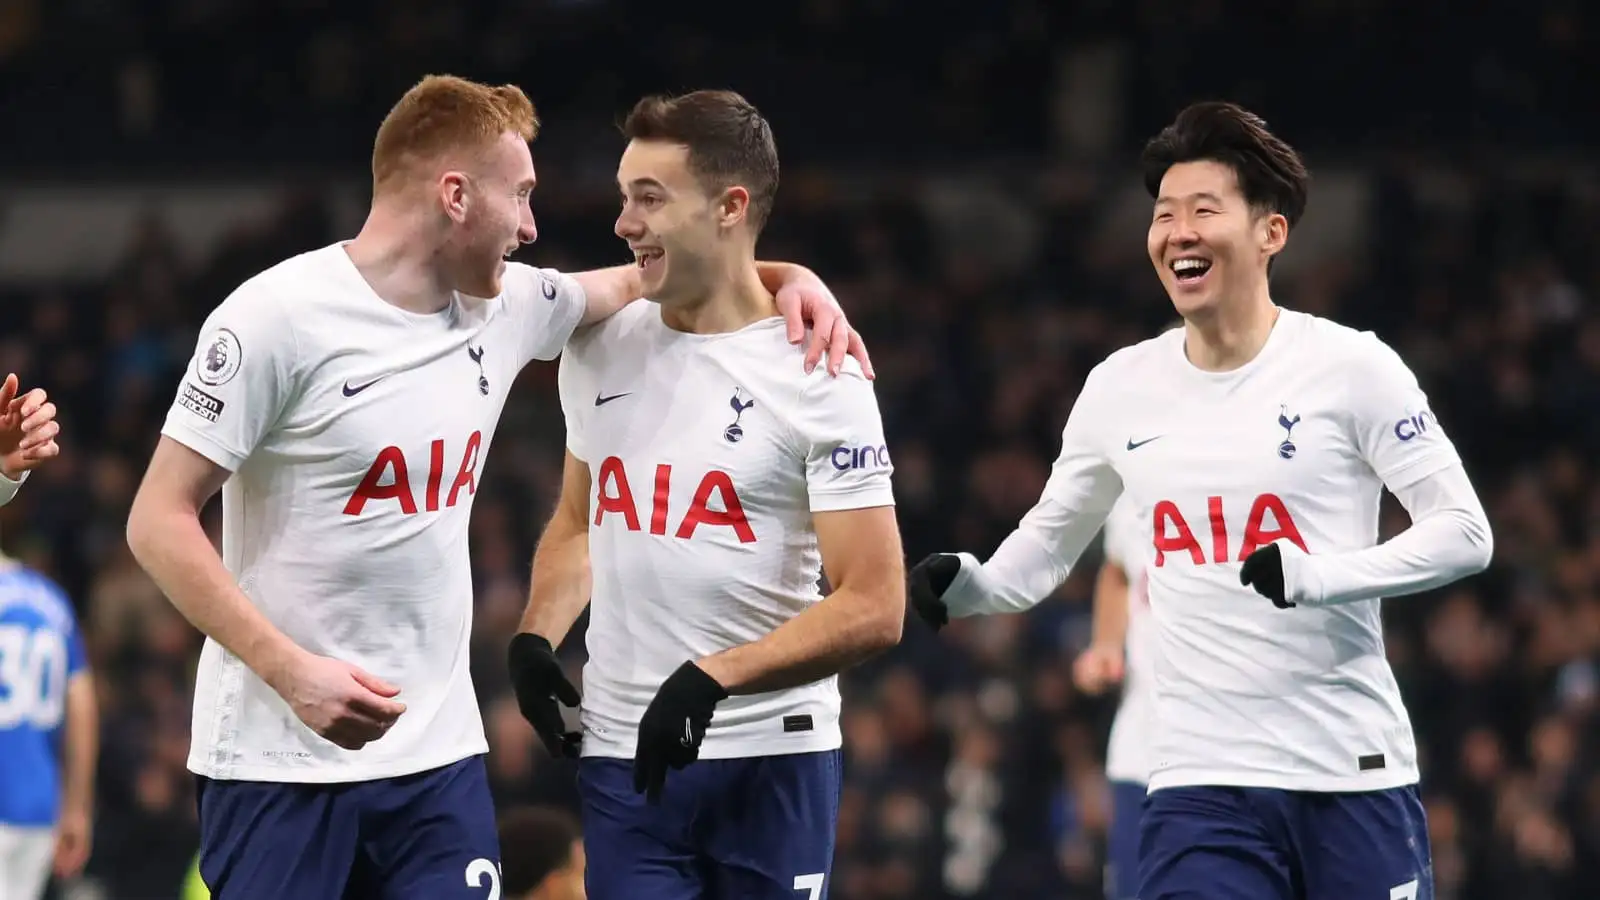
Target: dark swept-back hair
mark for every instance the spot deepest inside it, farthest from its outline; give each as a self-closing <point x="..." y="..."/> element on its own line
<point x="729" y="142"/>
<point x="1271" y="175"/>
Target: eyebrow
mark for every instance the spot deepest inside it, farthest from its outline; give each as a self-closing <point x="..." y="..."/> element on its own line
<point x="644" y="183"/>
<point x="1199" y="195"/>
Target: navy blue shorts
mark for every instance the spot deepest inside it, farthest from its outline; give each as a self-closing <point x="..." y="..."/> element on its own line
<point x="1217" y="843"/>
<point x="417" y="837"/>
<point x="1122" y="843"/>
<point x="726" y="829"/>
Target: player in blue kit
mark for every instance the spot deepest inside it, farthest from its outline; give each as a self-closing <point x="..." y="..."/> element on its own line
<point x="48" y="735"/>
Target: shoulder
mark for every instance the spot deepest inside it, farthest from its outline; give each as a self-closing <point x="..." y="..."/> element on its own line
<point x="268" y="304"/>
<point x="39" y="593"/>
<point x="633" y="324"/>
<point x="1114" y="379"/>
<point x="1336" y="344"/>
<point x="301" y="280"/>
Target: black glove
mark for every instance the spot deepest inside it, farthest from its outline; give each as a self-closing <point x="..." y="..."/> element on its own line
<point x="673" y="726"/>
<point x="929" y="580"/>
<point x="538" y="681"/>
<point x="1263" y="570"/>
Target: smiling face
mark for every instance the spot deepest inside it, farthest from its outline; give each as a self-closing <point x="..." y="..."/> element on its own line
<point x="680" y="231"/>
<point x="1207" y="243"/>
<point x="490" y="215"/>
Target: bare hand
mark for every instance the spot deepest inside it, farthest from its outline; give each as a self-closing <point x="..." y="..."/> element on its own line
<point x="340" y="702"/>
<point x="807" y="299"/>
<point x="74" y="834"/>
<point x="1097" y="668"/>
<point x="28" y="429"/>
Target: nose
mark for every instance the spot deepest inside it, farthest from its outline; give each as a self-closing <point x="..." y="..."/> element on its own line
<point x="1182" y="233"/>
<point x="527" y="231"/>
<point x="628" y="226"/>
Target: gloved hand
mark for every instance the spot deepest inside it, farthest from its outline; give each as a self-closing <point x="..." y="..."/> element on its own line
<point x="928" y="581"/>
<point x="673" y="726"/>
<point x="539" y="682"/>
<point x="1263" y="570"/>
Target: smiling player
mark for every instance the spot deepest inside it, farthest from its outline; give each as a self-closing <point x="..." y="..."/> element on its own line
<point x="1257" y="442"/>
<point x="709" y="483"/>
<point x="344" y="402"/>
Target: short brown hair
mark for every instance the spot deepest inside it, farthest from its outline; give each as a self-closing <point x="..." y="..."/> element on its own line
<point x="729" y="142"/>
<point x="443" y="113"/>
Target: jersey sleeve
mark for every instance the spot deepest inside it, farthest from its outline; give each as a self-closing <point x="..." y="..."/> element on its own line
<point x="1395" y="430"/>
<point x="1035" y="558"/>
<point x="841" y="434"/>
<point x="1115" y="536"/>
<point x="239" y="381"/>
<point x="546" y="305"/>
<point x="573" y="385"/>
<point x="9" y="488"/>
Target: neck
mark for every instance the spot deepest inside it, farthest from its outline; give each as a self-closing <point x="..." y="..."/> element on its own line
<point x="735" y="299"/>
<point x="1231" y="334"/>
<point x="399" y="259"/>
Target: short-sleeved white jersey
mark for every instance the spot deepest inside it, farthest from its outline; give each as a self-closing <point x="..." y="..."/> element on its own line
<point x="1297" y="444"/>
<point x="1126" y="544"/>
<point x="356" y="433"/>
<point x="708" y="455"/>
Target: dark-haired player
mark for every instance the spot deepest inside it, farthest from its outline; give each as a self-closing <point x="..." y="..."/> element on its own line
<point x="709" y="482"/>
<point x="1257" y="441"/>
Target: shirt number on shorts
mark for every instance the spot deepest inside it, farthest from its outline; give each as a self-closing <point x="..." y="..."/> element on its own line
<point x="479" y="869"/>
<point x="1407" y="891"/>
<point x="811" y="884"/>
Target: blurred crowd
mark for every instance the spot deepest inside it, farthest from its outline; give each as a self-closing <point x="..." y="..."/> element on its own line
<point x="973" y="766"/>
<point x="213" y="85"/>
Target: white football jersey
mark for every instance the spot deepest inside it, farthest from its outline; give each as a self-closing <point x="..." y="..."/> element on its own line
<point x="1126" y="543"/>
<point x="356" y="433"/>
<point x="1297" y="445"/>
<point x="708" y="455"/>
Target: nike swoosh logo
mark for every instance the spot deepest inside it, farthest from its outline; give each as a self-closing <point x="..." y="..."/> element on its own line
<point x="1134" y="445"/>
<point x="352" y="391"/>
<point x="602" y="400"/>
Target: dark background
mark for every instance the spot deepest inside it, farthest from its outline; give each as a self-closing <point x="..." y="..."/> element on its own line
<point x="962" y="175"/>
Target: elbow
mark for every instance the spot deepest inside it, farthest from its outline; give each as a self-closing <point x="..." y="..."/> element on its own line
<point x="883" y="632"/>
<point x="137" y="530"/>
<point x="1480" y="537"/>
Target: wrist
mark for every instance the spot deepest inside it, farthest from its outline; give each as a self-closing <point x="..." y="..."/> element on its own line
<point x="276" y="662"/>
<point x="713" y="674"/>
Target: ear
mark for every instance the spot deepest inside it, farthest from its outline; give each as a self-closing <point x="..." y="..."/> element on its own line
<point x="733" y="205"/>
<point x="1274" y="233"/>
<point x="453" y="195"/>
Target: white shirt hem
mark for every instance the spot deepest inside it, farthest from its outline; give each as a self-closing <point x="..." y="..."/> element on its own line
<point x="325" y="773"/>
<point x="1322" y="784"/>
<point x="737" y="748"/>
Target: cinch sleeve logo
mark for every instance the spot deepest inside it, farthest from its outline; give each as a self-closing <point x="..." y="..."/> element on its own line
<point x="846" y="457"/>
<point x="1416" y="426"/>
